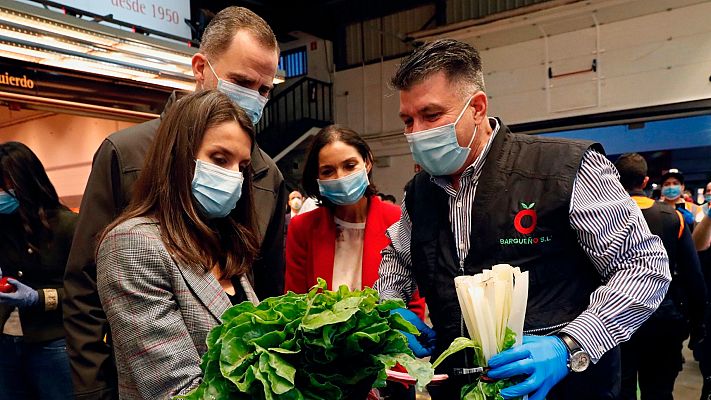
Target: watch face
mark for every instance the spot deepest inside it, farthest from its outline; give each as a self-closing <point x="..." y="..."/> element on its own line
<point x="579" y="361"/>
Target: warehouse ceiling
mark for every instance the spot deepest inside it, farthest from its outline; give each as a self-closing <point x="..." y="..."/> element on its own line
<point x="321" y="18"/>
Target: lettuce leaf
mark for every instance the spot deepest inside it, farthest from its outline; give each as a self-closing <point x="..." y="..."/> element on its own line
<point x="319" y="345"/>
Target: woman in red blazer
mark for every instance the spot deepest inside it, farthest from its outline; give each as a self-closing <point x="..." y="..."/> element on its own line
<point x="327" y="242"/>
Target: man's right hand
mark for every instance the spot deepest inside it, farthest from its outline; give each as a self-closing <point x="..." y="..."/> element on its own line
<point x="423" y="345"/>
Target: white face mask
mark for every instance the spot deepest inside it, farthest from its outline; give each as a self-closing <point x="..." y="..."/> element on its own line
<point x="217" y="189"/>
<point x="249" y="100"/>
<point x="296" y="204"/>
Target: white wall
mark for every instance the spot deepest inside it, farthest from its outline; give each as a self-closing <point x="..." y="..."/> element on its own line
<point x="656" y="59"/>
<point x="64" y="143"/>
<point x="645" y="58"/>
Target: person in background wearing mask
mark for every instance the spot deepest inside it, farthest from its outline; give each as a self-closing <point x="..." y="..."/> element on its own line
<point x="295" y="203"/>
<point x="702" y="234"/>
<point x="672" y="194"/>
<point x="551" y="206"/>
<point x="296" y="200"/>
<point x="238" y="55"/>
<point x="680" y="314"/>
<point x="179" y="255"/>
<point x="35" y="236"/>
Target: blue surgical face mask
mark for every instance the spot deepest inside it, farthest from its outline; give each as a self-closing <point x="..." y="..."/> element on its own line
<point x="708" y="198"/>
<point x="346" y="190"/>
<point x="249" y="100"/>
<point x="671" y="192"/>
<point x="216" y="189"/>
<point x="8" y="202"/>
<point x="437" y="150"/>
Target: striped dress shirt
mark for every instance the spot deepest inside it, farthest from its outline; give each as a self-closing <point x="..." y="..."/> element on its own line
<point x="611" y="230"/>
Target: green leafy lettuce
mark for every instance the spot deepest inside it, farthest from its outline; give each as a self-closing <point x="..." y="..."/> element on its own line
<point x="320" y="345"/>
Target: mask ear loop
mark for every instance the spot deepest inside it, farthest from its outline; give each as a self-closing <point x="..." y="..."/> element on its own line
<point x="211" y="69"/>
<point x="476" y="127"/>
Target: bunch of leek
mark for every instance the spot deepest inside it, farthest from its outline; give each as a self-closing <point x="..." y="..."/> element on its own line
<point x="493" y="305"/>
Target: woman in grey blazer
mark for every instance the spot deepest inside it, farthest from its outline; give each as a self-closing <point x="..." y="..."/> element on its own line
<point x="180" y="255"/>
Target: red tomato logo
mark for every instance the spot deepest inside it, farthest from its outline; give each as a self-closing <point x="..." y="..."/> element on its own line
<point x="527" y="211"/>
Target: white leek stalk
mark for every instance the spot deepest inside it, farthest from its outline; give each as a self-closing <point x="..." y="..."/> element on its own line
<point x="491" y="302"/>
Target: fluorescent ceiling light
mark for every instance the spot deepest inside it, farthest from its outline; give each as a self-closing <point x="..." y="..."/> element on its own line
<point x="154" y="53"/>
<point x="81" y="66"/>
<point x="13" y="34"/>
<point x="62" y="45"/>
<point x="33" y="22"/>
<point x="169" y="83"/>
<point x="26" y="51"/>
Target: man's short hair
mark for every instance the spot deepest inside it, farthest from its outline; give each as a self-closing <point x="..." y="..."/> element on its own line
<point x="633" y="169"/>
<point x="226" y="23"/>
<point x="459" y="61"/>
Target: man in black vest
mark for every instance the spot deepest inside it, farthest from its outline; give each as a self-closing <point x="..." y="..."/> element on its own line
<point x="553" y="207"/>
<point x="682" y="309"/>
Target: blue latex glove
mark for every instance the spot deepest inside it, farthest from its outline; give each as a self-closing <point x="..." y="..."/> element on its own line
<point x="423" y="345"/>
<point x="25" y="296"/>
<point x="688" y="216"/>
<point x="543" y="358"/>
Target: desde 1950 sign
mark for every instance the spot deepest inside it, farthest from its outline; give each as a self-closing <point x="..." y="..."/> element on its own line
<point x="166" y="16"/>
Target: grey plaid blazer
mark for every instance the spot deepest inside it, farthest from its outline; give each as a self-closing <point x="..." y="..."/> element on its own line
<point x="159" y="311"/>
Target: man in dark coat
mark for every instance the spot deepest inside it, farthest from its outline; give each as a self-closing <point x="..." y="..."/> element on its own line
<point x="238" y="55"/>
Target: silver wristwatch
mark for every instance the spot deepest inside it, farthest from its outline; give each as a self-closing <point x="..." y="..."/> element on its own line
<point x="578" y="359"/>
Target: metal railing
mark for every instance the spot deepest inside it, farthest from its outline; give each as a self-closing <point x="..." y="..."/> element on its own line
<point x="305" y="104"/>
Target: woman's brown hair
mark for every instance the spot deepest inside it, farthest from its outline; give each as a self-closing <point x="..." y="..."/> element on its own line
<point x="163" y="189"/>
<point x="22" y="171"/>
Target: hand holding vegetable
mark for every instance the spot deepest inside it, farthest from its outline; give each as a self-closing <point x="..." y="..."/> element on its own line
<point x="24" y="296"/>
<point x="543" y="358"/>
<point x="423" y="345"/>
<point x="5" y="286"/>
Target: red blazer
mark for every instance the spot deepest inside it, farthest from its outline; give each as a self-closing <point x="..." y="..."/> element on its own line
<point x="311" y="247"/>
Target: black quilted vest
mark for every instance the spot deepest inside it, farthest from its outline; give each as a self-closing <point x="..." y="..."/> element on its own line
<point x="519" y="217"/>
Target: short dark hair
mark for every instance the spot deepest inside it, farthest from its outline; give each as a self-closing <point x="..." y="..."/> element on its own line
<point x="633" y="169"/>
<point x="389" y="197"/>
<point x="327" y="135"/>
<point x="225" y="24"/>
<point x="458" y="60"/>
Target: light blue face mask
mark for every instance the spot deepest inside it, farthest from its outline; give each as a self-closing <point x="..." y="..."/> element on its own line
<point x="216" y="189"/>
<point x="345" y="191"/>
<point x="708" y="198"/>
<point x="249" y="100"/>
<point x="8" y="202"/>
<point x="437" y="150"/>
<point x="671" y="192"/>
